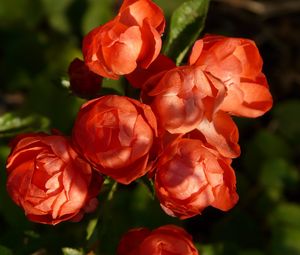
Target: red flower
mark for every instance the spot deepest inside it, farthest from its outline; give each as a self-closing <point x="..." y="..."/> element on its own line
<point x="83" y="82"/>
<point x="190" y="177"/>
<point x="49" y="180"/>
<point x="116" y="134"/>
<point x="167" y="240"/>
<point x="237" y="64"/>
<point x="132" y="39"/>
<point x="180" y="98"/>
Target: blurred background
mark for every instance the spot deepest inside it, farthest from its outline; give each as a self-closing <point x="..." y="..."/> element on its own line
<point x="38" y="40"/>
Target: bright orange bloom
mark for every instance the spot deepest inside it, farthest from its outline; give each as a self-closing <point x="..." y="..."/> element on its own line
<point x="237" y="64"/>
<point x="131" y="39"/>
<point x="191" y="177"/>
<point x="167" y="240"/>
<point x="115" y="134"/>
<point x="49" y="180"/>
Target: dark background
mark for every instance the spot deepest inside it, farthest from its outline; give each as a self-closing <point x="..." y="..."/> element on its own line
<point x="39" y="38"/>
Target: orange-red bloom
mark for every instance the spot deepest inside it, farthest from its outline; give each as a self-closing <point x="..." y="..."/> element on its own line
<point x="83" y="82"/>
<point x="190" y="177"/>
<point x="181" y="98"/>
<point x="116" y="134"/>
<point x="237" y="64"/>
<point x="49" y="180"/>
<point x="131" y="39"/>
<point x="167" y="240"/>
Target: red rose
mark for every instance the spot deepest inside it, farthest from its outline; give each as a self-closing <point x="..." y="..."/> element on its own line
<point x="167" y="240"/>
<point x="116" y="134"/>
<point x="83" y="82"/>
<point x="190" y="177"/>
<point x="237" y="64"/>
<point x="180" y="98"/>
<point x="49" y="180"/>
<point x="132" y="39"/>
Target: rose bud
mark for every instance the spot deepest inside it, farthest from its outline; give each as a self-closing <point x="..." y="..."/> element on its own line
<point x="168" y="240"/>
<point x="180" y="98"/>
<point x="49" y="180"/>
<point x="131" y="39"/>
<point x="191" y="177"/>
<point x="236" y="62"/>
<point x="83" y="82"/>
<point x="115" y="134"/>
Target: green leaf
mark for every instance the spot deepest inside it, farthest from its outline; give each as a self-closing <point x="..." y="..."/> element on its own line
<point x="5" y="251"/>
<point x="187" y="22"/>
<point x="91" y="228"/>
<point x="72" y="251"/>
<point x="13" y="123"/>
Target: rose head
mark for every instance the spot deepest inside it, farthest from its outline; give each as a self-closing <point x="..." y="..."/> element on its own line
<point x="167" y="240"/>
<point x="237" y="64"/>
<point x="190" y="177"/>
<point x="49" y="180"/>
<point x="180" y="98"/>
<point x="83" y="82"/>
<point x="116" y="134"/>
<point x="131" y="39"/>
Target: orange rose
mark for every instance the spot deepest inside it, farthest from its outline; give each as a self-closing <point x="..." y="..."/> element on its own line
<point x="132" y="39"/>
<point x="190" y="177"/>
<point x="180" y="98"/>
<point x="83" y="82"/>
<point x="49" y="180"/>
<point x="237" y="64"/>
<point x="116" y="134"/>
<point x="167" y="240"/>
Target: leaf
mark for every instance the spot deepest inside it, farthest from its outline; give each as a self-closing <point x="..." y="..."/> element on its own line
<point x="187" y="22"/>
<point x="13" y="123"/>
<point x="72" y="251"/>
<point x="91" y="228"/>
<point x="5" y="251"/>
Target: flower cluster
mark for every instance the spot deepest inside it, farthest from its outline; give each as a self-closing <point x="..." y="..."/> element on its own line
<point x="180" y="132"/>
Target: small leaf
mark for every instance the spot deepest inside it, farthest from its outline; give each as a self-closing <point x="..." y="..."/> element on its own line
<point x="187" y="22"/>
<point x="91" y="228"/>
<point x="13" y="123"/>
<point x="148" y="183"/>
<point x="72" y="251"/>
